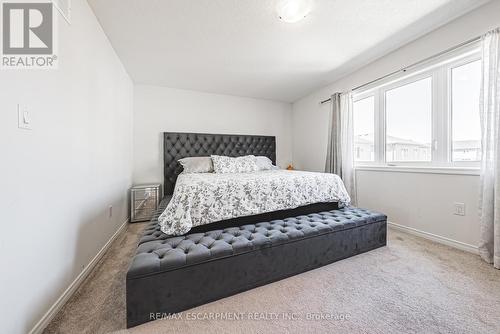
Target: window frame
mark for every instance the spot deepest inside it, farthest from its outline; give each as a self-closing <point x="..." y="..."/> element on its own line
<point x="461" y="62"/>
<point x="375" y="129"/>
<point x="421" y="76"/>
<point x="440" y="70"/>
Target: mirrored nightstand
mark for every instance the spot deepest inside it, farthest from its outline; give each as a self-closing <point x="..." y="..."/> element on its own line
<point x="144" y="200"/>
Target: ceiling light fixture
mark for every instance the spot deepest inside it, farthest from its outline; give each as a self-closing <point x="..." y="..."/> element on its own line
<point x="292" y="11"/>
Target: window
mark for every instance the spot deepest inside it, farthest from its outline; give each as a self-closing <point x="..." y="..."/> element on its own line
<point x="364" y="126"/>
<point x="409" y="118"/>
<point x="427" y="117"/>
<point x="466" y="131"/>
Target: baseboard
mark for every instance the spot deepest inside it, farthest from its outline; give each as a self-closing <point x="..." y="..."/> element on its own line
<point x="437" y="238"/>
<point x="51" y="313"/>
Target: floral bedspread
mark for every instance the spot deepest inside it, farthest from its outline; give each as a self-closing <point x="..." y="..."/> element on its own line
<point x="205" y="198"/>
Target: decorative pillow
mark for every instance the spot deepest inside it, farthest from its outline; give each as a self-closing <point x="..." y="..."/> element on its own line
<point x="245" y="164"/>
<point x="264" y="163"/>
<point x="197" y="165"/>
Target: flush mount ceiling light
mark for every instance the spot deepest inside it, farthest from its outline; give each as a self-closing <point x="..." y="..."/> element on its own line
<point x="292" y="11"/>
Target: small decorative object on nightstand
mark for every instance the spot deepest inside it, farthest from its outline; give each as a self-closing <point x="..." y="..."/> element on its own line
<point x="144" y="200"/>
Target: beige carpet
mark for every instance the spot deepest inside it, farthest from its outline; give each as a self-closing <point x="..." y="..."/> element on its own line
<point x="410" y="286"/>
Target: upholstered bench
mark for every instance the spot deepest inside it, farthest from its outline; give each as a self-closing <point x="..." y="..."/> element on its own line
<point x="172" y="274"/>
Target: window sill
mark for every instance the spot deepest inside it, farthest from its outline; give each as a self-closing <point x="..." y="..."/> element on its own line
<point x="421" y="169"/>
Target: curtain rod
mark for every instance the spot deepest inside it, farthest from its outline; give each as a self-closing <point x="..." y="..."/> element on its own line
<point x="404" y="69"/>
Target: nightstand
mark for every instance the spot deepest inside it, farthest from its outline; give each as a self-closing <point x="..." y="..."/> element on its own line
<point x="144" y="200"/>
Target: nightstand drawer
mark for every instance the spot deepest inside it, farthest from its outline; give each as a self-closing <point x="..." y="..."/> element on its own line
<point x="144" y="200"/>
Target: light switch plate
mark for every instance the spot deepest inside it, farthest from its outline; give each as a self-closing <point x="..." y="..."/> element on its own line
<point x="23" y="117"/>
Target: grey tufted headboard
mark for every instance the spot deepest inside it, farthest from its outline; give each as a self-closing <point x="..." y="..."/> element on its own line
<point x="178" y="145"/>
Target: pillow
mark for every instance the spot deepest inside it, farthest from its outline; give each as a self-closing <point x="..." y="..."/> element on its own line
<point x="197" y="165"/>
<point x="223" y="164"/>
<point x="264" y="163"/>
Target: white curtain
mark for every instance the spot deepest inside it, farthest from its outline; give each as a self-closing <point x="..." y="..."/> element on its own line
<point x="489" y="244"/>
<point x="340" y="155"/>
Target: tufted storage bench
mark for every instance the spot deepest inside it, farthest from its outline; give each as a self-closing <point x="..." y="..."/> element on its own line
<point x="172" y="274"/>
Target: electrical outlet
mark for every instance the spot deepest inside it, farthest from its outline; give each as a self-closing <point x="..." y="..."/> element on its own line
<point x="110" y="211"/>
<point x="459" y="209"/>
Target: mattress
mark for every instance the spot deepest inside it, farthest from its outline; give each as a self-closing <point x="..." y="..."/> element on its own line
<point x="204" y="198"/>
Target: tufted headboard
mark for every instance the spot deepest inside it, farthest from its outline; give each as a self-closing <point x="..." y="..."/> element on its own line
<point x="178" y="145"/>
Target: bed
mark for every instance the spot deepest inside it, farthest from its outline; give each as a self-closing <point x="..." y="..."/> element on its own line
<point x="224" y="255"/>
<point x="205" y="198"/>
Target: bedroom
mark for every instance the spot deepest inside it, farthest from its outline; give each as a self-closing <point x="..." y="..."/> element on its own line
<point x="130" y="87"/>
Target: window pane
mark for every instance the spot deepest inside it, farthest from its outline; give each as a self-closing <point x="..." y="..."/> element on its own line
<point x="466" y="128"/>
<point x="409" y="122"/>
<point x="364" y="125"/>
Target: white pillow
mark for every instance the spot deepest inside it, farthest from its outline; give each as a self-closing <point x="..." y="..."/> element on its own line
<point x="264" y="163"/>
<point x="224" y="165"/>
<point x="197" y="165"/>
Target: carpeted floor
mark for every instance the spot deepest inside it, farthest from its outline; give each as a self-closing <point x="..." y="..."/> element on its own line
<point x="410" y="286"/>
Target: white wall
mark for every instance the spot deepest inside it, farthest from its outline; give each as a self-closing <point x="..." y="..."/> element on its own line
<point x="59" y="178"/>
<point x="160" y="109"/>
<point x="424" y="202"/>
<point x="420" y="201"/>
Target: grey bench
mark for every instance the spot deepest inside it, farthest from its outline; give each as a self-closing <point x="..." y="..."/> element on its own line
<point x="172" y="274"/>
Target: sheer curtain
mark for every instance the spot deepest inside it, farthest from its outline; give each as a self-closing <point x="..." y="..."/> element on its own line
<point x="340" y="155"/>
<point x="489" y="244"/>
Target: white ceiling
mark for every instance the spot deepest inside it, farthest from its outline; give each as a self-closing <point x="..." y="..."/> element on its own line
<point x="239" y="47"/>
